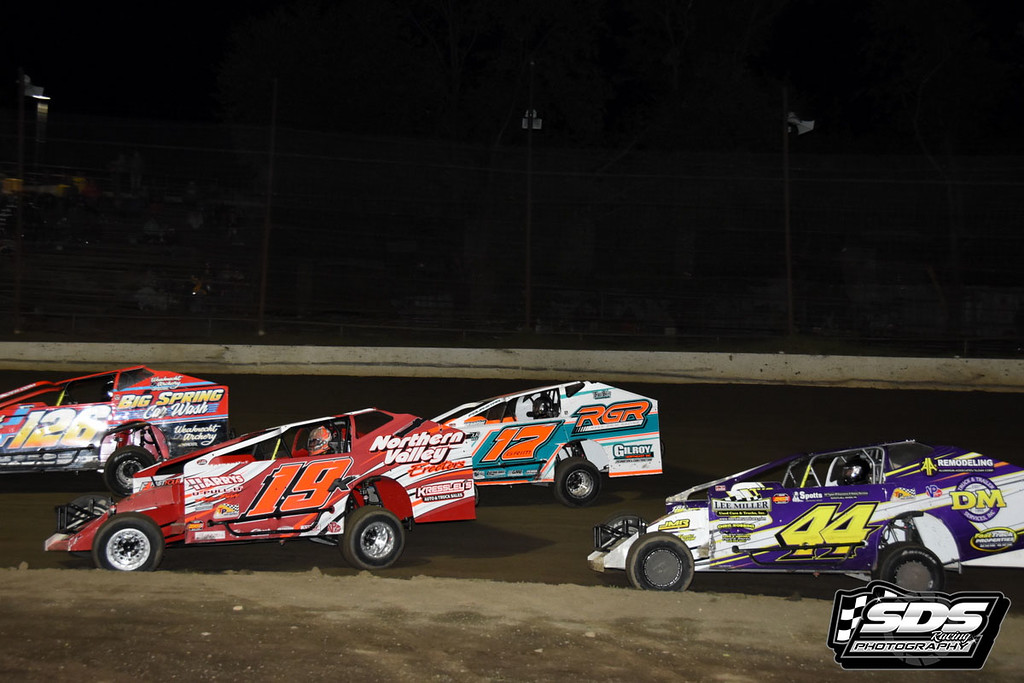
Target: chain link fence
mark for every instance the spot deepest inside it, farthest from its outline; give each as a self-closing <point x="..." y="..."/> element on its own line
<point x="158" y="231"/>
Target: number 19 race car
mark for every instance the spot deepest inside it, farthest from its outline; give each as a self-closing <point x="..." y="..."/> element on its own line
<point x="354" y="480"/>
<point x="902" y="512"/>
<point x="116" y="422"/>
<point x="564" y="434"/>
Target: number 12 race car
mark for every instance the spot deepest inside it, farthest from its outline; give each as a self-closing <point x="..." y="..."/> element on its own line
<point x="564" y="435"/>
<point x="354" y="480"/>
<point x="902" y="512"/>
<point x="116" y="422"/>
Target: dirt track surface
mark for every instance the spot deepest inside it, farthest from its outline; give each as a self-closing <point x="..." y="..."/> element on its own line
<point x="508" y="596"/>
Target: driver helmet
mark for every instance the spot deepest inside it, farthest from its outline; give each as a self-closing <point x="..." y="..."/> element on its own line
<point x="855" y="471"/>
<point x="319" y="441"/>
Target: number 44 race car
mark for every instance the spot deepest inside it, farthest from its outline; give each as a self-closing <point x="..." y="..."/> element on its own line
<point x="565" y="435"/>
<point x="903" y="512"/>
<point x="354" y="480"/>
<point x="116" y="422"/>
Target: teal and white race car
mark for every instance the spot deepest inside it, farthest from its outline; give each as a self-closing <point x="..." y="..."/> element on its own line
<point x="563" y="435"/>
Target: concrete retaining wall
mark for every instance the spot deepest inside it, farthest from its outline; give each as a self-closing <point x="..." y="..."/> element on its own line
<point x="956" y="374"/>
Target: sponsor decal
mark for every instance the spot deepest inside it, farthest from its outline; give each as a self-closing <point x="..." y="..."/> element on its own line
<point x="209" y="535"/>
<point x="445" y="490"/>
<point x="602" y="393"/>
<point x="902" y="492"/>
<point x="225" y="511"/>
<point x="622" y="415"/>
<point x="622" y="451"/>
<point x="933" y="491"/>
<point x="882" y="626"/>
<point x="674" y="524"/>
<point x="196" y="435"/>
<point x="782" y="498"/>
<point x="971" y="462"/>
<point x="171" y="382"/>
<point x="800" y="496"/>
<point x="194" y="525"/>
<point x="420" y="447"/>
<point x="994" y="540"/>
<point x="738" y="508"/>
<point x="170" y="404"/>
<point x="428" y="468"/>
<point x="213" y="486"/>
<point x="977" y="499"/>
<point x="745" y="494"/>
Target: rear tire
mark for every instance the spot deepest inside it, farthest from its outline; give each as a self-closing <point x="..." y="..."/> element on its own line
<point x="659" y="561"/>
<point x="373" y="539"/>
<point x="121" y="467"/>
<point x="912" y="567"/>
<point x="577" y="482"/>
<point x="129" y="542"/>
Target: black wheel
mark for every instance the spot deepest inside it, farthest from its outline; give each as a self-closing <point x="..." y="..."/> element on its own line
<point x="659" y="561"/>
<point x="577" y="482"/>
<point x="121" y="467"/>
<point x="129" y="542"/>
<point x="912" y="567"/>
<point x="374" y="538"/>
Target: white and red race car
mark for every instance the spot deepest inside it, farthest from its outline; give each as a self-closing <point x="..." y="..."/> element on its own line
<point x="563" y="435"/>
<point x="354" y="480"/>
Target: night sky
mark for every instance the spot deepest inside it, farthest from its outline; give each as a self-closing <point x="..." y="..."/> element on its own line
<point x="165" y="67"/>
<point x="97" y="61"/>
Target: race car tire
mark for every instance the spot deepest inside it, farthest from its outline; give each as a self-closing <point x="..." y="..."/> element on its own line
<point x="374" y="538"/>
<point x="912" y="567"/>
<point x="129" y="542"/>
<point x="121" y="467"/>
<point x="577" y="482"/>
<point x="659" y="561"/>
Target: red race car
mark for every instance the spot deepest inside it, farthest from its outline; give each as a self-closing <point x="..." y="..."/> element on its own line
<point x="354" y="480"/>
<point x="117" y="422"/>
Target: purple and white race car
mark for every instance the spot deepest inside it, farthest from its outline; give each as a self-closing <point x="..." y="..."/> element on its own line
<point x="903" y="512"/>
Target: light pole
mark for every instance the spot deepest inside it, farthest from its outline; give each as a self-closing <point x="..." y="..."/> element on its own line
<point x="790" y="123"/>
<point x="530" y="122"/>
<point x="265" y="256"/>
<point x="24" y="89"/>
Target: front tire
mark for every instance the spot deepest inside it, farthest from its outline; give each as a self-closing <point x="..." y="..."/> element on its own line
<point x="129" y="542"/>
<point x="659" y="561"/>
<point x="577" y="482"/>
<point x="121" y="467"/>
<point x="373" y="539"/>
<point x="912" y="567"/>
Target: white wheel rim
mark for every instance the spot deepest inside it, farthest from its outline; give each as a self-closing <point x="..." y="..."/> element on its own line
<point x="377" y="540"/>
<point x="128" y="549"/>
<point x="579" y="484"/>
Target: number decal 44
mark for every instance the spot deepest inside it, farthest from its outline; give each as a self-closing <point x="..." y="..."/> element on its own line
<point x="825" y="533"/>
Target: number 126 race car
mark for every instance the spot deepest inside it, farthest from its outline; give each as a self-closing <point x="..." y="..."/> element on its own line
<point x="116" y="422"/>
<point x="355" y="480"/>
<point x="902" y="512"/>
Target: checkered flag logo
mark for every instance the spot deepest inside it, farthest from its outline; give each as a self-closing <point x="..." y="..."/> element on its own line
<point x="848" y="608"/>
